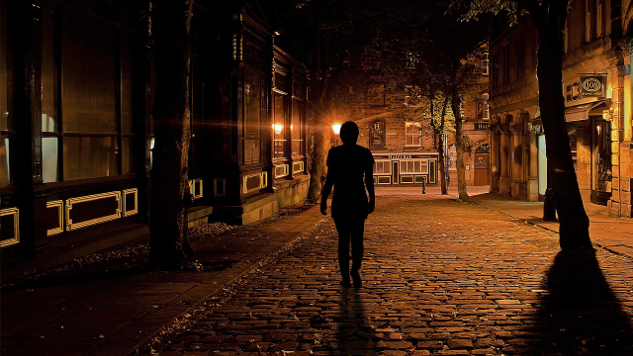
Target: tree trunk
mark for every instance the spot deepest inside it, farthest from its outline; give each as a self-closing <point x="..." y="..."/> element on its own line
<point x="316" y="169"/>
<point x="169" y="244"/>
<point x="574" y="223"/>
<point x="459" y="143"/>
<point x="441" y="163"/>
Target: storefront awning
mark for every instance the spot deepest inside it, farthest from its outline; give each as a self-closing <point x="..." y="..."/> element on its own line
<point x="582" y="112"/>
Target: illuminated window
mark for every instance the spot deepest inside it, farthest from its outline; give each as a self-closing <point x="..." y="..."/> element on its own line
<point x="413" y="134"/>
<point x="382" y="167"/>
<point x="414" y="166"/>
<point x="87" y="110"/>
<point x="485" y="64"/>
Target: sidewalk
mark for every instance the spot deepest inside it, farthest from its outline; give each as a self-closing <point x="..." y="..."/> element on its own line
<point x="111" y="310"/>
<point x="613" y="234"/>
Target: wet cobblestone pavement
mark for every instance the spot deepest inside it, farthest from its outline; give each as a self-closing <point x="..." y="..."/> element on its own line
<point x="439" y="278"/>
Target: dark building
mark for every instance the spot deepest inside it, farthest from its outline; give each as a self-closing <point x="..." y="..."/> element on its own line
<point x="76" y="91"/>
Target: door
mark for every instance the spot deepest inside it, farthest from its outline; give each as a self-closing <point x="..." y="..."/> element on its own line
<point x="396" y="172"/>
<point x="481" y="169"/>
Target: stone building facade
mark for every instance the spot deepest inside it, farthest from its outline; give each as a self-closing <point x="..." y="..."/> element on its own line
<point x="76" y="130"/>
<point x="596" y="84"/>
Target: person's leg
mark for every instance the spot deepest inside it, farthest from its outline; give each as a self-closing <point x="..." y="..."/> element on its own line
<point x="357" y="230"/>
<point x="343" y="229"/>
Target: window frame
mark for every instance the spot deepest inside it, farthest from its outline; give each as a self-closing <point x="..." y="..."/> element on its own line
<point x="409" y="133"/>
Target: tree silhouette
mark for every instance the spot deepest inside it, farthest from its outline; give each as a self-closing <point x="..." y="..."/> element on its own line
<point x="169" y="243"/>
<point x="549" y="18"/>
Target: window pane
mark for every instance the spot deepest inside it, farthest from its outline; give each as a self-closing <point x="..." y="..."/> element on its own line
<point x="49" y="73"/>
<point x="297" y="139"/>
<point x="4" y="80"/>
<point x="251" y="151"/>
<point x="127" y="73"/>
<point x="279" y="127"/>
<point x="50" y="159"/>
<point x="88" y="77"/>
<point x="252" y="104"/>
<point x="127" y="158"/>
<point x="89" y="157"/>
<point x="5" y="177"/>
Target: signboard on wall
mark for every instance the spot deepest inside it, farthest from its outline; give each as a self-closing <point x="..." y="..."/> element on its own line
<point x="377" y="134"/>
<point x="587" y="86"/>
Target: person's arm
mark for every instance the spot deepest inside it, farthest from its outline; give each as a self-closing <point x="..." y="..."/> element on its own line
<point x="369" y="184"/>
<point x="327" y="187"/>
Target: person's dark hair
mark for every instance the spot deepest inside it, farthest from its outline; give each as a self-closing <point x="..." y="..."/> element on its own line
<point x="349" y="132"/>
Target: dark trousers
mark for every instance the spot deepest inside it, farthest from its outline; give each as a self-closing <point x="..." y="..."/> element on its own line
<point x="350" y="230"/>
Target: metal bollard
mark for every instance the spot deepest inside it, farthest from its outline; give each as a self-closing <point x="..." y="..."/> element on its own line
<point x="423" y="186"/>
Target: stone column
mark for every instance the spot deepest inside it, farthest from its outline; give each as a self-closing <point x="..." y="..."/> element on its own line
<point x="532" y="188"/>
<point x="504" y="149"/>
<point x="621" y="132"/>
<point x="516" y="159"/>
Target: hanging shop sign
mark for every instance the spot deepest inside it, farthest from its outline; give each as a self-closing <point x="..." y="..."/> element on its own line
<point x="592" y="86"/>
<point x="588" y="86"/>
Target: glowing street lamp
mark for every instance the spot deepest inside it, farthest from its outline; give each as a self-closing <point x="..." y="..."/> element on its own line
<point x="278" y="127"/>
<point x="336" y="128"/>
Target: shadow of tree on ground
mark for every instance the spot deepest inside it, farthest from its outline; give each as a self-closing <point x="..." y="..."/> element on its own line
<point x="578" y="314"/>
<point x="354" y="335"/>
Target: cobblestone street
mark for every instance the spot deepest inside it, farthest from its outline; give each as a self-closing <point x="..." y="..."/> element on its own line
<point x="440" y="278"/>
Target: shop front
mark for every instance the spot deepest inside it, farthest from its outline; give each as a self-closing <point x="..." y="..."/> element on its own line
<point x="590" y="139"/>
<point x="405" y="168"/>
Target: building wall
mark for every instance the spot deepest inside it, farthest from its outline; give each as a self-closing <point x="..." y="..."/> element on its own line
<point x="592" y="51"/>
<point x="76" y="140"/>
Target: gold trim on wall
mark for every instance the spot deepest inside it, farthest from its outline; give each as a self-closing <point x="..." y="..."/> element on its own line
<point x="192" y="188"/>
<point x="286" y="168"/>
<point x="16" y="223"/>
<point x="134" y="211"/>
<point x="301" y="165"/>
<point x="69" y="206"/>
<point x="59" y="204"/>
<point x="264" y="180"/>
<point x="245" y="179"/>
<point x="216" y="192"/>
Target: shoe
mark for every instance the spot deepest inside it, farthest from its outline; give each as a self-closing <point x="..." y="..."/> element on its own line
<point x="356" y="278"/>
<point x="345" y="283"/>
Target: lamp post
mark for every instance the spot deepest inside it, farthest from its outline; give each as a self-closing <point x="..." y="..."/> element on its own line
<point x="336" y="128"/>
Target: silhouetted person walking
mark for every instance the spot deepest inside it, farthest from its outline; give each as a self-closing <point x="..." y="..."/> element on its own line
<point x="347" y="164"/>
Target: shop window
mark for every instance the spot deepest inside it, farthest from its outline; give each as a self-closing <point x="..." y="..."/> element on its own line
<point x="413" y="166"/>
<point x="94" y="137"/>
<point x="279" y="126"/>
<point x="297" y="128"/>
<point x="413" y="134"/>
<point x="382" y="167"/>
<point x="252" y="116"/>
<point x="6" y="126"/>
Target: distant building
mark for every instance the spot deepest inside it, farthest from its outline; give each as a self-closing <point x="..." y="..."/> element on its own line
<point x="405" y="151"/>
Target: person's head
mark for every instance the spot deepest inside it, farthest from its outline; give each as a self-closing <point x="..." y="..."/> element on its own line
<point x="349" y="133"/>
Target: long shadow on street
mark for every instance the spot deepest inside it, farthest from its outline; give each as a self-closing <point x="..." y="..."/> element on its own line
<point x="354" y="335"/>
<point x="578" y="313"/>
